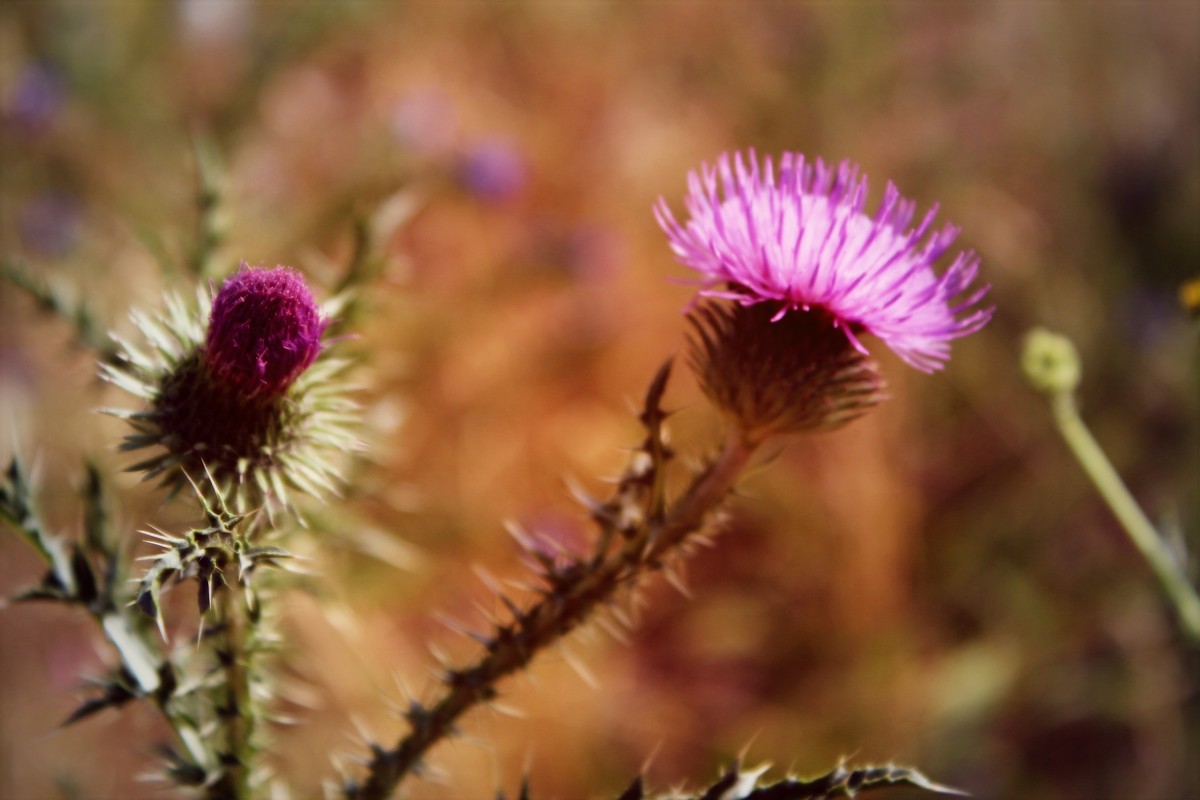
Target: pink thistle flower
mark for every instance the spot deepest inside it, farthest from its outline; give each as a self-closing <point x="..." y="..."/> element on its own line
<point x="801" y="239"/>
<point x="265" y="329"/>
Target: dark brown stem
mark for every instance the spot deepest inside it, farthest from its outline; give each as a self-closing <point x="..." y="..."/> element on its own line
<point x="576" y="592"/>
<point x="706" y="492"/>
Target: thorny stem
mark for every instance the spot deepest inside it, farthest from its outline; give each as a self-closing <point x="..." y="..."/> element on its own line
<point x="1123" y="505"/>
<point x="705" y="493"/>
<point x="237" y="714"/>
<point x="578" y="592"/>
<point x="150" y="676"/>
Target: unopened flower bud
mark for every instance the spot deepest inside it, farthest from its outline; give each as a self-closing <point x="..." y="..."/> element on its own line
<point x="265" y="330"/>
<point x="242" y="401"/>
<point x="1050" y="362"/>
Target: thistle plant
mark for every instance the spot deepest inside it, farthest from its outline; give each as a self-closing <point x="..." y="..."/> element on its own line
<point x="244" y="409"/>
<point x="801" y="248"/>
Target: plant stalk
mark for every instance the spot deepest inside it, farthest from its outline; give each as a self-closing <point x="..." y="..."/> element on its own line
<point x="237" y="715"/>
<point x="1141" y="531"/>
<point x="577" y="595"/>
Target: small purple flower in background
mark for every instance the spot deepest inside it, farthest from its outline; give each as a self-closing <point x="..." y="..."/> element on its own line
<point x="801" y="240"/>
<point x="264" y="331"/>
<point x="35" y="100"/>
<point x="493" y="169"/>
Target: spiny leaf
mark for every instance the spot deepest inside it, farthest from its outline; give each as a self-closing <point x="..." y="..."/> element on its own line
<point x="848" y="783"/>
<point x="16" y="497"/>
<point x="266" y="552"/>
<point x="96" y="524"/>
<point x="17" y="508"/>
<point x="59" y="581"/>
<point x="48" y="590"/>
<point x="721" y="788"/>
<point x="150" y="587"/>
<point x="141" y="662"/>
<point x="99" y="540"/>
<point x="182" y="770"/>
<point x="838" y="783"/>
<point x="653" y="412"/>
<point x="740" y="784"/>
<point x="114" y="694"/>
<point x="87" y="590"/>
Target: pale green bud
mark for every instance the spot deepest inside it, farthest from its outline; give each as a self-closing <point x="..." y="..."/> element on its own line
<point x="1050" y="362"/>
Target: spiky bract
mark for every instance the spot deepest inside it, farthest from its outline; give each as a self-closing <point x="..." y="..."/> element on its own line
<point x="216" y="555"/>
<point x="795" y="374"/>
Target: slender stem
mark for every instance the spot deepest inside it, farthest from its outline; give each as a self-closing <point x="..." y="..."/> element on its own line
<point x="1145" y="537"/>
<point x="577" y="592"/>
<point x="237" y="714"/>
<point x="705" y="493"/>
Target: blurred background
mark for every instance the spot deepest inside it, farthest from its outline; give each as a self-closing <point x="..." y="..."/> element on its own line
<point x="936" y="584"/>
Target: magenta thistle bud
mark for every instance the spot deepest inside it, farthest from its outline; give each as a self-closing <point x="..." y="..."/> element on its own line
<point x="800" y="240"/>
<point x="245" y="401"/>
<point x="264" y="330"/>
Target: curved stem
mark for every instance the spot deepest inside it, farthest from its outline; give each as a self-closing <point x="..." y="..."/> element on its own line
<point x="1139" y="528"/>
<point x="576" y="592"/>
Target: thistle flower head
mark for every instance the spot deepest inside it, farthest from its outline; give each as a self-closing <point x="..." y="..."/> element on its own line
<point x="245" y="398"/>
<point x="807" y="272"/>
<point x="265" y="329"/>
<point x="800" y="240"/>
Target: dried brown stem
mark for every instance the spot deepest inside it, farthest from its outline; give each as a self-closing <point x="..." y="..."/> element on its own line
<point x="575" y="591"/>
